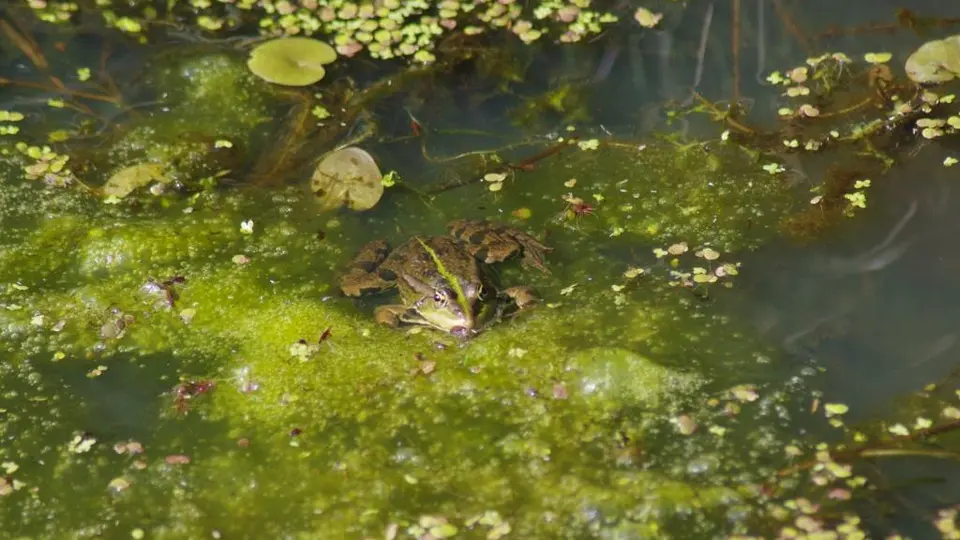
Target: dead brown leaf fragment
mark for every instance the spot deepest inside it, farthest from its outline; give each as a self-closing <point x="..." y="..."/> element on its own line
<point x="177" y="459"/>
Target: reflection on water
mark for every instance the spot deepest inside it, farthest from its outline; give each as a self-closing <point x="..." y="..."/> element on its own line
<point x="876" y="301"/>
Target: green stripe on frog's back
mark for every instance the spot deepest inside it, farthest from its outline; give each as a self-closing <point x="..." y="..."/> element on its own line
<point x="451" y="279"/>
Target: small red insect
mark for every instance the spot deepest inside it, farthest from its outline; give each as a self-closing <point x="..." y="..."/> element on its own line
<point x="187" y="390"/>
<point x="415" y="125"/>
<point x="577" y="207"/>
<point x="581" y="209"/>
<point x="326" y="334"/>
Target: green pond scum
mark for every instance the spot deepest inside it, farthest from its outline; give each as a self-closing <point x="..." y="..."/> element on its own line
<point x="532" y="420"/>
<point x="177" y="361"/>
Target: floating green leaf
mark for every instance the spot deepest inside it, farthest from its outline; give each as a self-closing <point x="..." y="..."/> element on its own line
<point x="291" y="61"/>
<point x="935" y="61"/>
<point x="835" y="409"/>
<point x="878" y="58"/>
<point x="647" y="18"/>
<point x="124" y="181"/>
<point x="348" y="177"/>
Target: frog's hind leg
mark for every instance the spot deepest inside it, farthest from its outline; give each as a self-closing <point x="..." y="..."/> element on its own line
<point x="533" y="251"/>
<point x="493" y="243"/>
<point x="362" y="276"/>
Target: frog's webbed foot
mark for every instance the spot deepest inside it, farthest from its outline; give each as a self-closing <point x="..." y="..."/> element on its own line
<point x="492" y="243"/>
<point x="361" y="276"/>
<point x="533" y="251"/>
<point x="523" y="297"/>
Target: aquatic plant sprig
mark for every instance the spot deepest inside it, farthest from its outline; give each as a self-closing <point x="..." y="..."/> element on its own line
<point x="834" y="102"/>
<point x="13" y="117"/>
<point x="698" y="275"/>
<point x="21" y="38"/>
<point x="385" y="29"/>
<point x="857" y="198"/>
<point x="831" y="88"/>
<point x="812" y="494"/>
<point x="683" y="272"/>
<point x="47" y="165"/>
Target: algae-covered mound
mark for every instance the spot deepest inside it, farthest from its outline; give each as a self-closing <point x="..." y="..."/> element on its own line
<point x="213" y="107"/>
<point x="312" y="418"/>
<point x="212" y="91"/>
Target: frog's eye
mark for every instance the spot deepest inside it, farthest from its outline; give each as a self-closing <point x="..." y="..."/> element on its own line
<point x="440" y="297"/>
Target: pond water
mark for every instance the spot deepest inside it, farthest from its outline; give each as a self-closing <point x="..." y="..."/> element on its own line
<point x="180" y="363"/>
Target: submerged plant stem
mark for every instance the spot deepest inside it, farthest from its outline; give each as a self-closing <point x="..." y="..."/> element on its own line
<point x="726" y="117"/>
<point x="60" y="89"/>
<point x="735" y="49"/>
<point x="791" y="26"/>
<point x="880" y="448"/>
<point x="522" y="165"/>
<point x="906" y="452"/>
<point x="26" y="45"/>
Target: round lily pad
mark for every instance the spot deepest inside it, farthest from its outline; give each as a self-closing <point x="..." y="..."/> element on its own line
<point x="348" y="177"/>
<point x="291" y="61"/>
<point x="935" y="61"/>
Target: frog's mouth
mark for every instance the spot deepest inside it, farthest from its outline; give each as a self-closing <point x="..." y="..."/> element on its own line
<point x="487" y="314"/>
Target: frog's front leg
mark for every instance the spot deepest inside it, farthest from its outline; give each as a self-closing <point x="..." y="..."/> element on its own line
<point x="394" y="315"/>
<point x="523" y="297"/>
<point x="362" y="275"/>
<point x="390" y="315"/>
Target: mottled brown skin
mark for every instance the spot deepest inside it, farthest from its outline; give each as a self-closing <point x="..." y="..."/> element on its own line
<point x="428" y="297"/>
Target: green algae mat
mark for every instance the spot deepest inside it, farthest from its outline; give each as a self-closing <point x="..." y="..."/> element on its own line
<point x="188" y="368"/>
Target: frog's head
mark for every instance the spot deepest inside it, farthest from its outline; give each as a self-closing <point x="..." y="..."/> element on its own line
<point x="462" y="310"/>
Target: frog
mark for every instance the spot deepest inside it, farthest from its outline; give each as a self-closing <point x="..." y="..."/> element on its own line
<point x="447" y="282"/>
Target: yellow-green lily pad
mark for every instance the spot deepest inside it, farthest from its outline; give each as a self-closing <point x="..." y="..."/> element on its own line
<point x="291" y="61"/>
<point x="348" y="177"/>
<point x="126" y="180"/>
<point x="935" y="61"/>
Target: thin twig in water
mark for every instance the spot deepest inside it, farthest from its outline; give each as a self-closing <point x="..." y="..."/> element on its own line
<point x="455" y="157"/>
<point x="726" y="117"/>
<point x="735" y="44"/>
<point x="791" y="26"/>
<point x="105" y="75"/>
<point x="58" y="90"/>
<point x="761" y="44"/>
<point x="26" y="45"/>
<point x="701" y="53"/>
<point x="877" y="449"/>
<point x="522" y="165"/>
